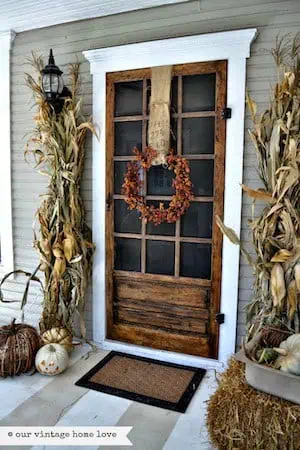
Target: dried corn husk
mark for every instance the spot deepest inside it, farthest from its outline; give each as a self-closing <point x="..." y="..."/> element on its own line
<point x="69" y="244"/>
<point x="281" y="256"/>
<point x="297" y="276"/>
<point x="277" y="285"/>
<point x="232" y="236"/>
<point x="60" y="266"/>
<point x="68" y="249"/>
<point x="276" y="232"/>
<point x="46" y="246"/>
<point x="63" y="239"/>
<point x="292" y="299"/>
<point x="58" y="250"/>
<point x="257" y="194"/>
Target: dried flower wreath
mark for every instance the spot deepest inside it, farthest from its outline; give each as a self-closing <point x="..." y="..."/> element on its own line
<point x="182" y="184"/>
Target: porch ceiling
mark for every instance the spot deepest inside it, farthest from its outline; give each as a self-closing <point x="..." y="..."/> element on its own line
<point x="26" y="15"/>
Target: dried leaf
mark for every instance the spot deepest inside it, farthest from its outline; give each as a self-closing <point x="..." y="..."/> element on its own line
<point x="281" y="256"/>
<point x="59" y="268"/>
<point x="76" y="259"/>
<point x="68" y="248"/>
<point x="257" y="194"/>
<point x="277" y="285"/>
<point x="297" y="276"/>
<point x="228" y="232"/>
<point x="232" y="236"/>
<point x="58" y="250"/>
<point x="251" y="105"/>
<point x="292" y="299"/>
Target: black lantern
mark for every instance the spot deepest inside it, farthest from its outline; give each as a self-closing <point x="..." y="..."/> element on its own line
<point x="53" y="85"/>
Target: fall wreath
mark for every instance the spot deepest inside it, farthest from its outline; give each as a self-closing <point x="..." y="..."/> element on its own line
<point x="182" y="184"/>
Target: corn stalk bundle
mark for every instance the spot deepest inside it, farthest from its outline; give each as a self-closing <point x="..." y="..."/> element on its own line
<point x="63" y="239"/>
<point x="276" y="233"/>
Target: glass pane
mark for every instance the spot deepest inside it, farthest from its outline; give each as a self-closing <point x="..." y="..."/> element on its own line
<point x="54" y="83"/>
<point x="128" y="254"/>
<point x="47" y="83"/>
<point x="197" y="221"/>
<point x="159" y="181"/>
<point x="129" y="98"/>
<point x="120" y="168"/>
<point x="202" y="176"/>
<point x="164" y="229"/>
<point x="198" y="92"/>
<point x="126" y="220"/>
<point x="198" y="135"/>
<point x="160" y="257"/>
<point x="127" y="136"/>
<point x="195" y="260"/>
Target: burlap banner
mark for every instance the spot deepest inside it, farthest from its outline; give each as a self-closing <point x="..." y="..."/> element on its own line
<point x="159" y="122"/>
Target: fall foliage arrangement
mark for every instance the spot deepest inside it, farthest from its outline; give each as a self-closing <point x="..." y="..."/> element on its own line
<point x="274" y="312"/>
<point x="133" y="186"/>
<point x="63" y="240"/>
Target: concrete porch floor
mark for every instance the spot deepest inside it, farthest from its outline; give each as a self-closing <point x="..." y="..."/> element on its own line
<point x="45" y="401"/>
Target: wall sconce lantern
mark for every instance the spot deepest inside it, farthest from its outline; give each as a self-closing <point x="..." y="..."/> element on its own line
<point x="53" y="85"/>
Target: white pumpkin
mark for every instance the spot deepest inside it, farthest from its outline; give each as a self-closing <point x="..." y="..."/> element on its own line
<point x="289" y="361"/>
<point x="51" y="359"/>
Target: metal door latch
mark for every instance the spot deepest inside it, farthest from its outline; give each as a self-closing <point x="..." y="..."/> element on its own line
<point x="226" y="113"/>
<point x="220" y="318"/>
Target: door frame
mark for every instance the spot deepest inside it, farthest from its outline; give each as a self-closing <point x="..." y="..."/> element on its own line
<point x="233" y="46"/>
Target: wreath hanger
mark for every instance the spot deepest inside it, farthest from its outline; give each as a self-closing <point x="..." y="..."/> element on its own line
<point x="159" y="121"/>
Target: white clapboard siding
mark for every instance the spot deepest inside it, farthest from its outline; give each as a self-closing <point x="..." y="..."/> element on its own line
<point x="68" y="41"/>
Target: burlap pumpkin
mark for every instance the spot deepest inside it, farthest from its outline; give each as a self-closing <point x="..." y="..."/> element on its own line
<point x="19" y="344"/>
<point x="60" y="336"/>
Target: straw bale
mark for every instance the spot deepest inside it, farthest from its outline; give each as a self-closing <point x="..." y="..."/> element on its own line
<point x="242" y="418"/>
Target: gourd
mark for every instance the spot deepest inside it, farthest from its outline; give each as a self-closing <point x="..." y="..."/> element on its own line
<point x="19" y="344"/>
<point x="52" y="359"/>
<point x="266" y="356"/>
<point x="58" y="336"/>
<point x="289" y="361"/>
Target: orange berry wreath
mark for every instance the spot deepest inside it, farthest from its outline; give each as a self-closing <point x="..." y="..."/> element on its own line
<point x="182" y="184"/>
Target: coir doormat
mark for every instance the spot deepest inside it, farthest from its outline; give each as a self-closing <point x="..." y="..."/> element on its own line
<point x="144" y="380"/>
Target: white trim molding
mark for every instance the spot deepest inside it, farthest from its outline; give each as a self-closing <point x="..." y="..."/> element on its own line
<point x="233" y="46"/>
<point x="6" y="229"/>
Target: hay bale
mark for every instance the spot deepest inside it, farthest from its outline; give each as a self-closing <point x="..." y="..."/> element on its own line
<point x="242" y="418"/>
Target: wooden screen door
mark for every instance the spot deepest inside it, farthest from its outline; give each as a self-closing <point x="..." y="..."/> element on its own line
<point x="163" y="282"/>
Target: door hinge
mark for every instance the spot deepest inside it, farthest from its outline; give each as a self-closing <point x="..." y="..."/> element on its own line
<point x="220" y="318"/>
<point x="108" y="201"/>
<point x="226" y="113"/>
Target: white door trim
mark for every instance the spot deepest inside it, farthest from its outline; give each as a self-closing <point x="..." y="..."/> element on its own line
<point x="6" y="229"/>
<point x="233" y="46"/>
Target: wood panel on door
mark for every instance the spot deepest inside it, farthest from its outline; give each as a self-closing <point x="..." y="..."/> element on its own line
<point x="163" y="282"/>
